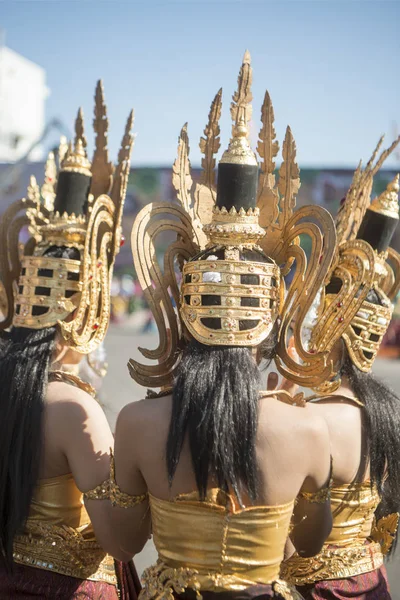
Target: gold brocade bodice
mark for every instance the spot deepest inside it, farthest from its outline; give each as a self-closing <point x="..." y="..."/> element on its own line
<point x="353" y="507"/>
<point x="59" y="536"/>
<point x="346" y="552"/>
<point x="220" y="545"/>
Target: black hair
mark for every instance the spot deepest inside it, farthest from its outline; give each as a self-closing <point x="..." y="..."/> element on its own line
<point x="25" y="356"/>
<point x="215" y="400"/>
<point x="382" y="423"/>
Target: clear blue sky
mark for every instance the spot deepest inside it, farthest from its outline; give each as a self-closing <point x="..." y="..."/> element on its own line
<point x="332" y="67"/>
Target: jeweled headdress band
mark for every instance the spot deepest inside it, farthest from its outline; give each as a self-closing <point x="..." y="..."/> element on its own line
<point x="228" y="248"/>
<point x="81" y="210"/>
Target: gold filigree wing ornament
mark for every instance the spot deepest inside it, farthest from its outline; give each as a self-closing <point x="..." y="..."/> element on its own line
<point x="185" y="219"/>
<point x="26" y="213"/>
<point x="343" y="297"/>
<point x="159" y="283"/>
<point x="284" y="228"/>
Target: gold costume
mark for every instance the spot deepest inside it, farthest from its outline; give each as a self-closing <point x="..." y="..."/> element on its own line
<point x="79" y="207"/>
<point x="348" y="550"/>
<point x="233" y="242"/>
<point x="214" y="545"/>
<point x="58" y="535"/>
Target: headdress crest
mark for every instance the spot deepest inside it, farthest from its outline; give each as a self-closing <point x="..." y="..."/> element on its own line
<point x="232" y="246"/>
<point x="78" y="207"/>
<point x="363" y="262"/>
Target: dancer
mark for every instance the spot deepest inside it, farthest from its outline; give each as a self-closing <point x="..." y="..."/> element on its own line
<point x="213" y="463"/>
<point x="54" y="436"/>
<point x="362" y="413"/>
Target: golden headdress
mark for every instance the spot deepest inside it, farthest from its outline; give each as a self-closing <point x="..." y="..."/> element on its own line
<point x="363" y="263"/>
<point x="233" y="246"/>
<point x="79" y="207"/>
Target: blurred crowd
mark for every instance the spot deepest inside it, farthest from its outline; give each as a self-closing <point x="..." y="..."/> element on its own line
<point x="129" y="308"/>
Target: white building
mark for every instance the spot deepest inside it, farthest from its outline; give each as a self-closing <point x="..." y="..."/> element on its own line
<point x="23" y="93"/>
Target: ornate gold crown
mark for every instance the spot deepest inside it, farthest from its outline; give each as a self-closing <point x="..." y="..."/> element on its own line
<point x="42" y="291"/>
<point x="357" y="269"/>
<point x="232" y="257"/>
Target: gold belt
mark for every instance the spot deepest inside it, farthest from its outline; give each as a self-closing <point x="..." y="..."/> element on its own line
<point x="63" y="550"/>
<point x="333" y="563"/>
<point x="162" y="581"/>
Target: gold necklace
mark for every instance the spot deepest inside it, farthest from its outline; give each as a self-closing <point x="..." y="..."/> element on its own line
<point x="68" y="377"/>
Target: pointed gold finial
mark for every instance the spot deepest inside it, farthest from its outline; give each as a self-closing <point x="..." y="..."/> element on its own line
<point x="102" y="168"/>
<point x="62" y="149"/>
<point x="239" y="151"/>
<point x="75" y="160"/>
<point x="48" y="189"/>
<point x="79" y="128"/>
<point x="388" y="202"/>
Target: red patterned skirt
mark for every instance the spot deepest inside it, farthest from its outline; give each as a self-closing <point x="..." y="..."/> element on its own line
<point x="368" y="586"/>
<point x="254" y="592"/>
<point x="29" y="583"/>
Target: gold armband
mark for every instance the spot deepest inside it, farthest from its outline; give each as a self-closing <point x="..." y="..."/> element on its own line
<point x="110" y="490"/>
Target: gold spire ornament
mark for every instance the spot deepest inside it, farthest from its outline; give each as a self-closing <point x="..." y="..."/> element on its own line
<point x="388" y="202"/>
<point x="224" y="269"/>
<point x="76" y="160"/>
<point x="42" y="291"/>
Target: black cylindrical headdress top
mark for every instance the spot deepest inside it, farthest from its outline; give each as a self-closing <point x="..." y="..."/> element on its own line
<point x="238" y="173"/>
<point x="237" y="186"/>
<point x="73" y="183"/>
<point x="381" y="218"/>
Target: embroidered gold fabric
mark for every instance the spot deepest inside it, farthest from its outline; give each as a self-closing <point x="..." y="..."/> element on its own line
<point x="319" y="497"/>
<point x="161" y="582"/>
<point x="347" y="551"/>
<point x="333" y="563"/>
<point x="110" y="490"/>
<point x="58" y="535"/>
<point x="215" y="544"/>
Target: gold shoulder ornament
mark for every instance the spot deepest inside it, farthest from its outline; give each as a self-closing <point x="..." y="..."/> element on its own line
<point x="42" y="291"/>
<point x="200" y="286"/>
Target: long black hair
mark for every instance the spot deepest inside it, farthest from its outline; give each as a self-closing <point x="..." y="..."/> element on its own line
<point x="25" y="356"/>
<point x="215" y="400"/>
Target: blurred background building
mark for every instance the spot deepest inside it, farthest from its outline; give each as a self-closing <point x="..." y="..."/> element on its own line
<point x="23" y="94"/>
